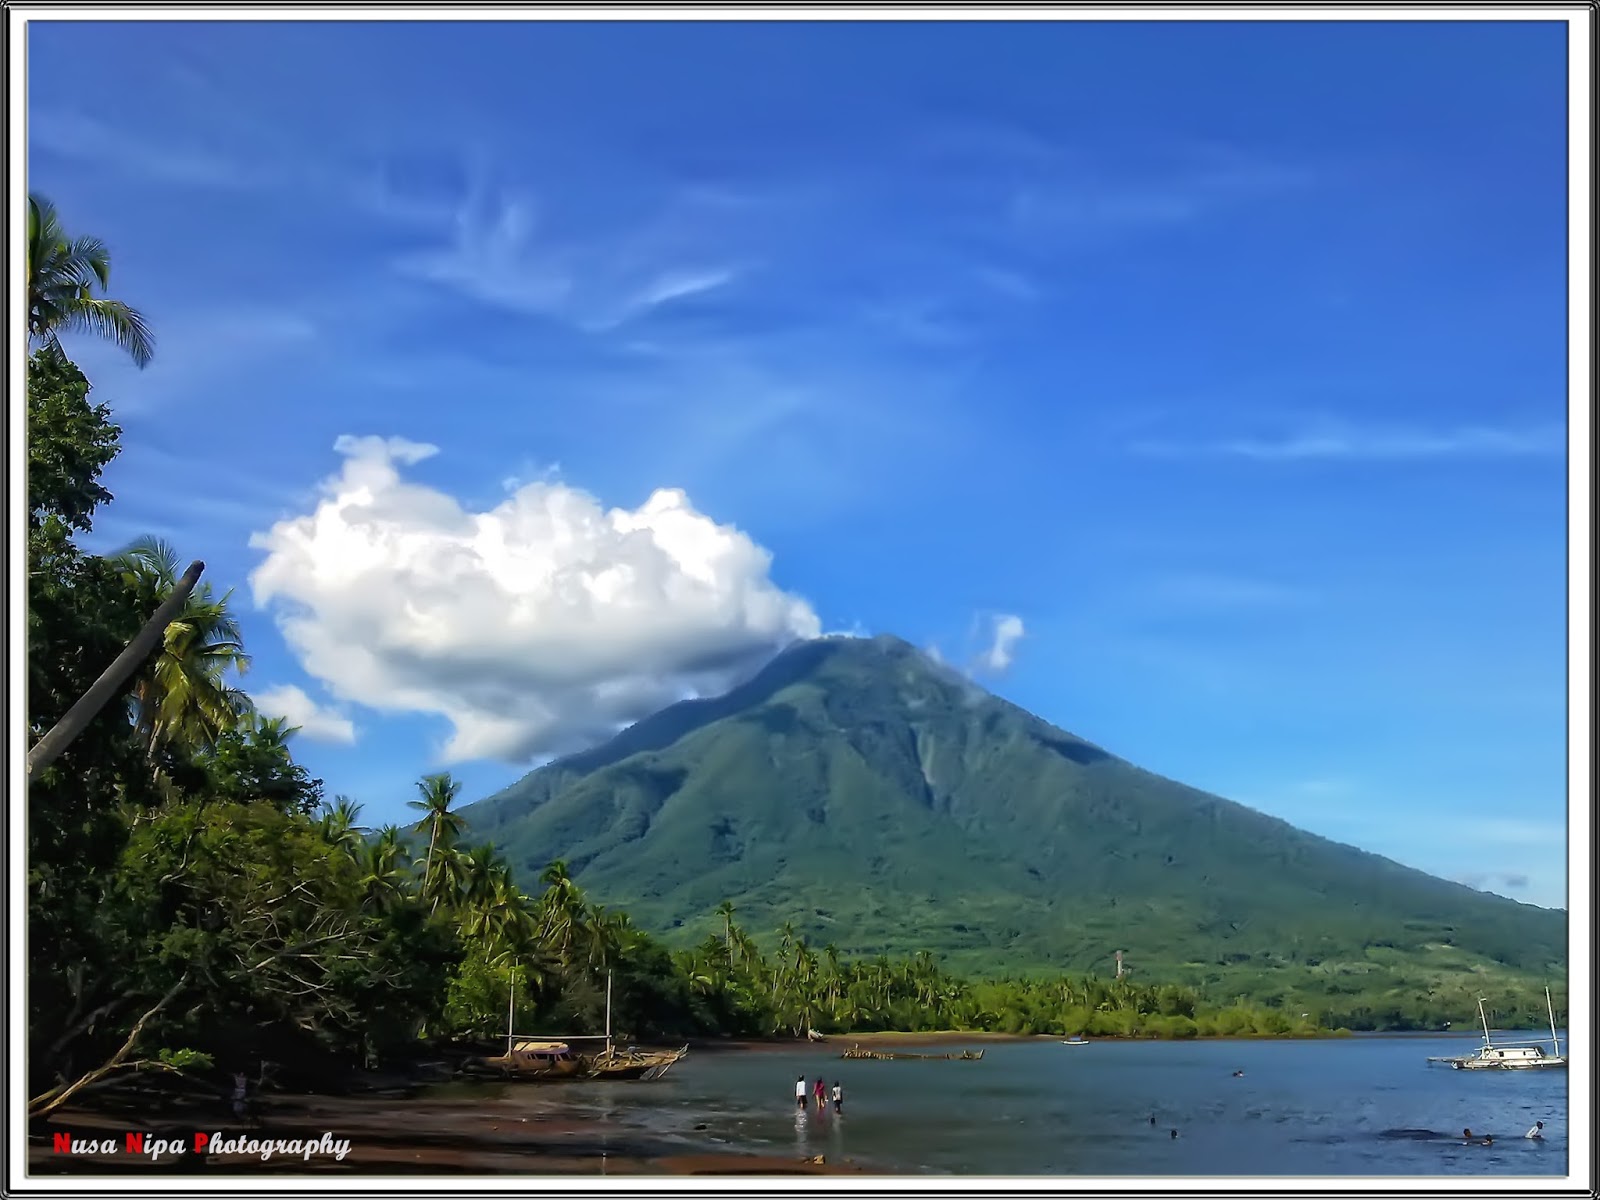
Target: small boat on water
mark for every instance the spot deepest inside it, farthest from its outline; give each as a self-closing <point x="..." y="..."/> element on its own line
<point x="1509" y="1056"/>
<point x="1075" y="1040"/>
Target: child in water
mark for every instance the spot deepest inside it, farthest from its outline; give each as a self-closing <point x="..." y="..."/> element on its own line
<point x="800" y="1092"/>
<point x="821" y="1092"/>
<point x="838" y="1097"/>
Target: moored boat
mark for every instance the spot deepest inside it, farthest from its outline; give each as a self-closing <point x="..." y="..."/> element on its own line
<point x="530" y="1059"/>
<point x="1509" y="1056"/>
<point x="546" y="1059"/>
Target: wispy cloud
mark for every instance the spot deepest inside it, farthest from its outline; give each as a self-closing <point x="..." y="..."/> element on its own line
<point x="1507" y="831"/>
<point x="675" y="285"/>
<point x="1351" y="444"/>
<point x="192" y="348"/>
<point x="74" y="136"/>
<point x="245" y="166"/>
<point x="1085" y="202"/>
<point x="1207" y="590"/>
<point x="1011" y="284"/>
<point x="499" y="254"/>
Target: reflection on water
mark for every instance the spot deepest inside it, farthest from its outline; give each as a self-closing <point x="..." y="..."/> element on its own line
<point x="1358" y="1106"/>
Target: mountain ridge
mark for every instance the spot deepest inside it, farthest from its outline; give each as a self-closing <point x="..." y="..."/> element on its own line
<point x="885" y="803"/>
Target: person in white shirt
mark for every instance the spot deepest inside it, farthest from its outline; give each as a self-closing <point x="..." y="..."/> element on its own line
<point x="1537" y="1132"/>
<point x="800" y="1092"/>
<point x="838" y="1096"/>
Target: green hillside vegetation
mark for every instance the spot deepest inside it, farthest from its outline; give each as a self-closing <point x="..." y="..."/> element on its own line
<point x="882" y="803"/>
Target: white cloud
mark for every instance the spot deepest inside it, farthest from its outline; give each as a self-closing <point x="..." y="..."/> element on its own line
<point x="1215" y="591"/>
<point x="301" y="711"/>
<point x="1006" y="633"/>
<point x="534" y="627"/>
<point x="1375" y="444"/>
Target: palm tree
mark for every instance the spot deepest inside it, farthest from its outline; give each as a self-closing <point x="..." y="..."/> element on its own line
<point x="442" y="826"/>
<point x="338" y="822"/>
<point x="62" y="275"/>
<point x="452" y="872"/>
<point x="509" y="923"/>
<point x="383" y="868"/>
<point x="185" y="694"/>
<point x="564" y="907"/>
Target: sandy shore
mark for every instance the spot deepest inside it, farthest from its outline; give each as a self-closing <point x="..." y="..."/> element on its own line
<point x="428" y="1135"/>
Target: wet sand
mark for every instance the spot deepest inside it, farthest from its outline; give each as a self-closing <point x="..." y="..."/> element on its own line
<point x="425" y="1135"/>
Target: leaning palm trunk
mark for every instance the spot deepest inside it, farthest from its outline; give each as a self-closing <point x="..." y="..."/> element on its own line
<point x="48" y="748"/>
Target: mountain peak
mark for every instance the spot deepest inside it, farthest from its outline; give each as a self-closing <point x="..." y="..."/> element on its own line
<point x="882" y="801"/>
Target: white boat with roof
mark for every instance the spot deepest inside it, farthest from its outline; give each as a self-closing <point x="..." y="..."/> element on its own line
<point x="1509" y="1056"/>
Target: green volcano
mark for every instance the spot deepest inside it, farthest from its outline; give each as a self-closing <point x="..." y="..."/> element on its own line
<point x="886" y="804"/>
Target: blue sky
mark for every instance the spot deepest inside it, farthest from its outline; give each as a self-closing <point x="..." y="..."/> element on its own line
<point x="1228" y="359"/>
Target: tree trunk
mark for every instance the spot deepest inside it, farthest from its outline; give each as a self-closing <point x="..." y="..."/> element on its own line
<point x="427" y="867"/>
<point x="48" y="748"/>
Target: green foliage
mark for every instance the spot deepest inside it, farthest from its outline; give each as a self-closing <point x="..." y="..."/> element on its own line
<point x="874" y="799"/>
<point x="63" y="273"/>
<point x="70" y="442"/>
<point x="182" y="1059"/>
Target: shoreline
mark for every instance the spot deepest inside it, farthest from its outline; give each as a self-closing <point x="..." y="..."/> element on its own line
<point x="876" y="1039"/>
<point x="476" y="1135"/>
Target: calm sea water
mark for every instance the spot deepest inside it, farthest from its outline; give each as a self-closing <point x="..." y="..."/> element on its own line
<point x="1366" y="1105"/>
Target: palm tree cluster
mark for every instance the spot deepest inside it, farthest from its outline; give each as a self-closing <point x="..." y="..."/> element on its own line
<point x="797" y="989"/>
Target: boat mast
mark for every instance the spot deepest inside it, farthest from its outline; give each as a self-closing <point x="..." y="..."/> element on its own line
<point x="608" y="1012"/>
<point x="1550" y="1005"/>
<point x="1482" y="1016"/>
<point x="511" y="1013"/>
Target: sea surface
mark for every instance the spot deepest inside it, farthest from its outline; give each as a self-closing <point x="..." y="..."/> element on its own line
<point x="1364" y="1105"/>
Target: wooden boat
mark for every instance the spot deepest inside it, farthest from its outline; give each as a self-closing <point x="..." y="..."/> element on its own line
<point x="531" y="1060"/>
<point x="1509" y="1056"/>
<point x="632" y="1063"/>
<point x="544" y="1060"/>
<point x="885" y="1055"/>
